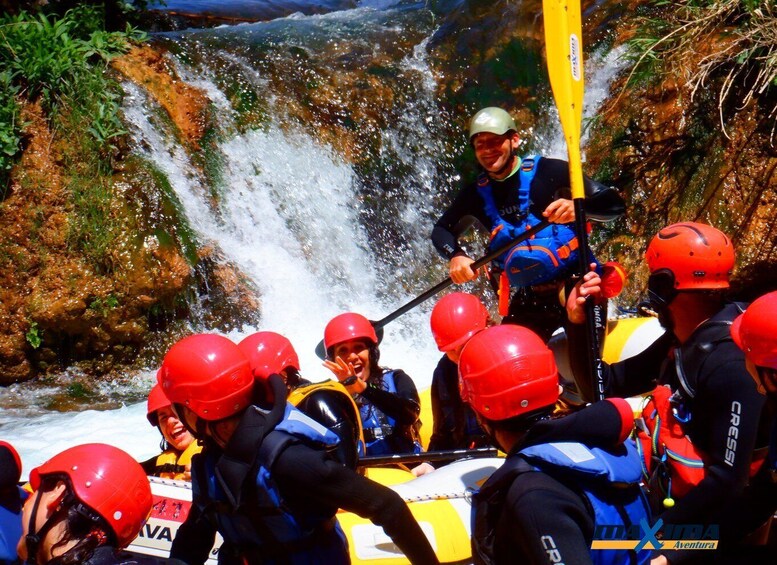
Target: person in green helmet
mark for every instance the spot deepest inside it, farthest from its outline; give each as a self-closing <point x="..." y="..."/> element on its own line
<point x="510" y="195"/>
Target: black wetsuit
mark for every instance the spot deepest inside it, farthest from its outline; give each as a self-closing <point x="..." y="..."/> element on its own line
<point x="105" y="555"/>
<point x="455" y="426"/>
<point x="310" y="483"/>
<point x="543" y="520"/>
<point x="536" y="307"/>
<point x="404" y="406"/>
<point x="726" y="422"/>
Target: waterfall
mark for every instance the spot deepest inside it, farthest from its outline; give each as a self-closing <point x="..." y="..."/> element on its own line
<point x="288" y="215"/>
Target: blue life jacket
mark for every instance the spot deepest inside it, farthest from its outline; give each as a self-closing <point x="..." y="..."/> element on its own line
<point x="609" y="480"/>
<point x="11" y="527"/>
<point x="379" y="427"/>
<point x="259" y="522"/>
<point x="550" y="255"/>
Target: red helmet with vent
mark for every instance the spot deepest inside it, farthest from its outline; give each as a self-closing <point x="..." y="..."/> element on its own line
<point x="209" y="375"/>
<point x="698" y="256"/>
<point x="108" y="481"/>
<point x="455" y="318"/>
<point x="755" y="331"/>
<point x="346" y="327"/>
<point x="268" y="353"/>
<point x="506" y="371"/>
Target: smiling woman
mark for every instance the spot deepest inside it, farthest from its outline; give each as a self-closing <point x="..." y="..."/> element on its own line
<point x="387" y="399"/>
<point x="178" y="445"/>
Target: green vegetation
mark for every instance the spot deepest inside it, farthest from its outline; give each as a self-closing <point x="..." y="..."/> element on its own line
<point x="62" y="62"/>
<point x="33" y="336"/>
<point x="737" y="40"/>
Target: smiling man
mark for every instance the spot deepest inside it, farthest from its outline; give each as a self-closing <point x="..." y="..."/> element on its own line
<point x="510" y="195"/>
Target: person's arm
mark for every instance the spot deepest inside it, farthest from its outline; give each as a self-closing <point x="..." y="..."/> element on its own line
<point x="551" y="182"/>
<point x="196" y="536"/>
<point x="443" y="413"/>
<point x="194" y="539"/>
<point x="749" y="511"/>
<point x="300" y="469"/>
<point x="727" y="409"/>
<point x="458" y="218"/>
<point x="603" y="424"/>
<point x="547" y="521"/>
<point x="404" y="405"/>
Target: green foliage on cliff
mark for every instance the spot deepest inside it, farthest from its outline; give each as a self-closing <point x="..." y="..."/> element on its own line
<point x="62" y="62"/>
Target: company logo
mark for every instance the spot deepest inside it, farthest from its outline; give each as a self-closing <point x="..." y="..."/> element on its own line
<point x="658" y="536"/>
<point x="733" y="433"/>
<point x="574" y="57"/>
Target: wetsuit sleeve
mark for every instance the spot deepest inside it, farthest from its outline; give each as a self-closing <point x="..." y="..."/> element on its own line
<point x="630" y="377"/>
<point x="731" y="409"/>
<point x="194" y="539"/>
<point x="336" y="412"/>
<point x="602" y="424"/>
<point x="458" y="218"/>
<point x="404" y="406"/>
<point x="197" y="534"/>
<point x="446" y="424"/>
<point x="750" y="510"/>
<point x="551" y="181"/>
<point x="300" y="469"/>
<point x="548" y="522"/>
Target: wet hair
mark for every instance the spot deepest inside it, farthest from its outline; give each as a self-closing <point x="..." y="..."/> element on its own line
<point x="82" y="524"/>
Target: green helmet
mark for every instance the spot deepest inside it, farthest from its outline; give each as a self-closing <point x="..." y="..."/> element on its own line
<point x="491" y="120"/>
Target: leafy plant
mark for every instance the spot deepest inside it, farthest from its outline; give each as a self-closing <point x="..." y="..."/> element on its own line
<point x="10" y="127"/>
<point x="33" y="336"/>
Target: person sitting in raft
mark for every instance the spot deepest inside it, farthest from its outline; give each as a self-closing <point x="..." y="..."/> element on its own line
<point x="455" y="319"/>
<point x="12" y="497"/>
<point x="328" y="403"/>
<point x="388" y="400"/>
<point x="565" y="477"/>
<point x="511" y="195"/>
<point x="88" y="503"/>
<point x="178" y="445"/>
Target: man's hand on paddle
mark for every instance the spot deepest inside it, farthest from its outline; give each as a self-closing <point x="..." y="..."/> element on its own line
<point x="591" y="285"/>
<point x="460" y="269"/>
<point x="561" y="211"/>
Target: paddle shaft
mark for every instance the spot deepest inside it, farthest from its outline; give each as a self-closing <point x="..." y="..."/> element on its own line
<point x="564" y="49"/>
<point x="447" y="282"/>
<point x="399" y="458"/>
<point x="321" y="351"/>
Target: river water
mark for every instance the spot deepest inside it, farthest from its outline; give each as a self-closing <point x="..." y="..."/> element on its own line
<point x="306" y="226"/>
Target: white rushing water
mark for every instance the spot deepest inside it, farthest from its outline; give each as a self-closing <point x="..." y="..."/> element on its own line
<point x="288" y="217"/>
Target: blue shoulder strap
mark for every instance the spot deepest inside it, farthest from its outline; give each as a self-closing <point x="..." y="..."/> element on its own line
<point x="616" y="466"/>
<point x="299" y="424"/>
<point x="528" y="169"/>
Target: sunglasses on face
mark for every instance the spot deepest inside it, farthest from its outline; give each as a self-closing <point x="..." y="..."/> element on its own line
<point x="661" y="289"/>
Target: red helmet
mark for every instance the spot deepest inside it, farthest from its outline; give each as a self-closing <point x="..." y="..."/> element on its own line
<point x="697" y="255"/>
<point x="156" y="401"/>
<point x="208" y="374"/>
<point x="268" y="353"/>
<point x="755" y="331"/>
<point x="455" y="318"/>
<point x="506" y="371"/>
<point x="108" y="481"/>
<point x="346" y="327"/>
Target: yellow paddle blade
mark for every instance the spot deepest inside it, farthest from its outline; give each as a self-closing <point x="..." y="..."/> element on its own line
<point x="564" y="50"/>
